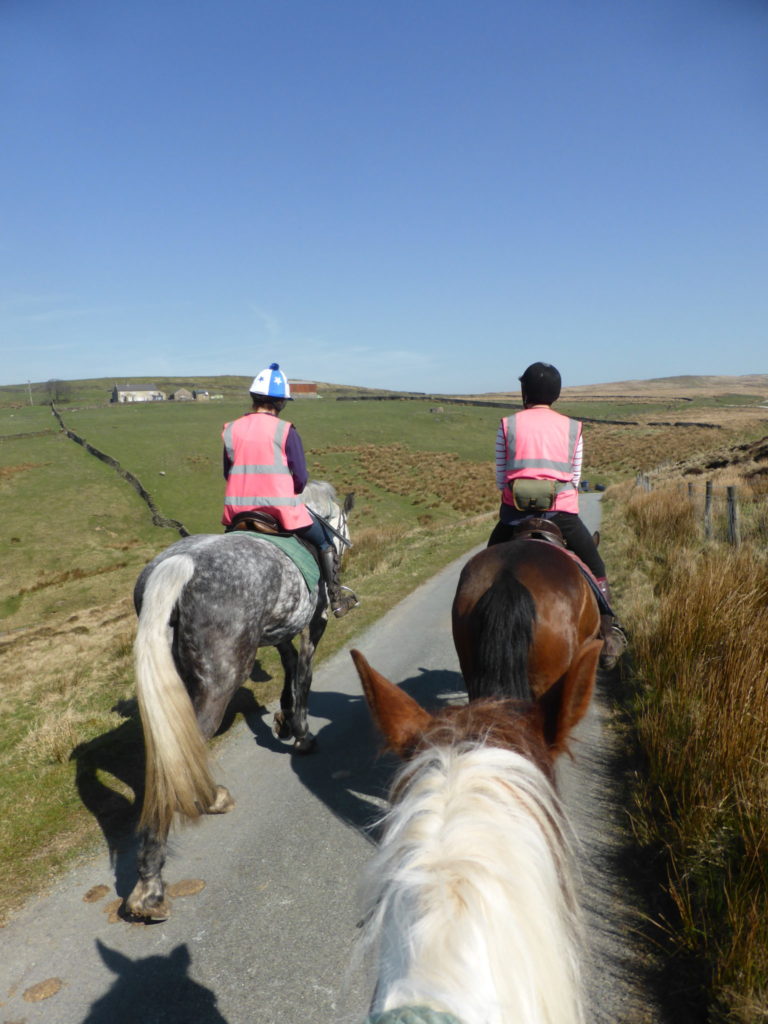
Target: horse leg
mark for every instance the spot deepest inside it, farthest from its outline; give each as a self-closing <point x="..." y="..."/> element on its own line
<point x="310" y="637"/>
<point x="210" y="708"/>
<point x="283" y="723"/>
<point x="292" y="719"/>
<point x="147" y="900"/>
<point x="211" y="691"/>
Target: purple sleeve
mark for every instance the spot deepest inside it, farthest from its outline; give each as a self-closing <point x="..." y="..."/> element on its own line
<point x="294" y="452"/>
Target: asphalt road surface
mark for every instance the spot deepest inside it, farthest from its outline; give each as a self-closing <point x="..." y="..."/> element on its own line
<point x="263" y="922"/>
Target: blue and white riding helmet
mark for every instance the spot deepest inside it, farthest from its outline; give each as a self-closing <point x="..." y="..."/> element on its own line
<point x="271" y="382"/>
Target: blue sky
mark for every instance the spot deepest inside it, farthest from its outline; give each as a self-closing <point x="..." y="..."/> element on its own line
<point x="416" y="194"/>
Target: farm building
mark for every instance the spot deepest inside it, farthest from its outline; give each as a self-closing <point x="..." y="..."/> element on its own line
<point x="182" y="395"/>
<point x="136" y="393"/>
<point x="303" y="389"/>
<point x="201" y="395"/>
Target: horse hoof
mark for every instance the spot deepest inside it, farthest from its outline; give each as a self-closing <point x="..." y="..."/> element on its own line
<point x="144" y="905"/>
<point x="223" y="802"/>
<point x="281" y="727"/>
<point x="305" y="745"/>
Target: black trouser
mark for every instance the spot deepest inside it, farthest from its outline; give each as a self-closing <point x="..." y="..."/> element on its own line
<point x="577" y="537"/>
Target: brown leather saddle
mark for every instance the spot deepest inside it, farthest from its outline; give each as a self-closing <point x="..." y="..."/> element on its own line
<point x="263" y="522"/>
<point x="257" y="522"/>
<point x="539" y="529"/>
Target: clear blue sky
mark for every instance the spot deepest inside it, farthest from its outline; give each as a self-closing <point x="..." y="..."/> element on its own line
<point x="416" y="194"/>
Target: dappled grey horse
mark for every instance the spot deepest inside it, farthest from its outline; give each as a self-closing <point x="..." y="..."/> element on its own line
<point x="206" y="604"/>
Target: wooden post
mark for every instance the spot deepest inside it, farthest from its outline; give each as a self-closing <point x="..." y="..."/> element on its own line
<point x="734" y="529"/>
<point x="691" y="496"/>
<point x="708" y="510"/>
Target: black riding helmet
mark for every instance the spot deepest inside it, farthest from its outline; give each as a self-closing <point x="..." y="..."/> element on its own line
<point x="541" y="384"/>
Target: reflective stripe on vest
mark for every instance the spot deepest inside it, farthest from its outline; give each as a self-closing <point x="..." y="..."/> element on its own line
<point x="541" y="444"/>
<point x="266" y="484"/>
<point x="531" y="443"/>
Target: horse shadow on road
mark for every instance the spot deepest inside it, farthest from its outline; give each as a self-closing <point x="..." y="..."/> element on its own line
<point x="153" y="989"/>
<point x="348" y="770"/>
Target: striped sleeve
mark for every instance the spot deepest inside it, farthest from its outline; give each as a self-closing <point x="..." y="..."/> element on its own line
<point x="578" y="457"/>
<point x="501" y="458"/>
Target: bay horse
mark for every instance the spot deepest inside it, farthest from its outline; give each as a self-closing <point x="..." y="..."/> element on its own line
<point x="205" y="606"/>
<point x="470" y="896"/>
<point x="524" y="616"/>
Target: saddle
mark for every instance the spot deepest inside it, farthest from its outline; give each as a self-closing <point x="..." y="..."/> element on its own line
<point x="534" y="528"/>
<point x="539" y="529"/>
<point x="263" y="522"/>
<point x="258" y="522"/>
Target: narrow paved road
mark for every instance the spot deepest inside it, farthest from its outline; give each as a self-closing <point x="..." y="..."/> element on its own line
<point x="270" y="939"/>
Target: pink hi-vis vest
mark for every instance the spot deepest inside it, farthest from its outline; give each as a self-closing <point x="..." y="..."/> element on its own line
<point x="541" y="445"/>
<point x="259" y="477"/>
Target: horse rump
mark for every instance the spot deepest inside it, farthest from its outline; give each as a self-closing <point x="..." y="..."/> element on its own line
<point x="502" y="621"/>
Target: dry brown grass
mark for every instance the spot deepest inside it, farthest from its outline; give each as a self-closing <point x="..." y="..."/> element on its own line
<point x="432" y="480"/>
<point x="698" y="614"/>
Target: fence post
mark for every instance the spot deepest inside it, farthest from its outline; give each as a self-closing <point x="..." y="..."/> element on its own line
<point x="708" y="510"/>
<point x="690" y="492"/>
<point x="734" y="530"/>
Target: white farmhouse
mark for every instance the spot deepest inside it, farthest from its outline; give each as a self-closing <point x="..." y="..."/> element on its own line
<point x="137" y="393"/>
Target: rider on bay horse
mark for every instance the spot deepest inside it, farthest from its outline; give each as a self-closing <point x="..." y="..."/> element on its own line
<point x="538" y="468"/>
<point x="266" y="472"/>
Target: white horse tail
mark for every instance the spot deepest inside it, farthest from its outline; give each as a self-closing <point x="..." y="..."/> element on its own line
<point x="177" y="773"/>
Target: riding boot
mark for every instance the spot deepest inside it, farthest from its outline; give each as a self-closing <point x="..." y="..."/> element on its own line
<point x="611" y="631"/>
<point x="341" y="598"/>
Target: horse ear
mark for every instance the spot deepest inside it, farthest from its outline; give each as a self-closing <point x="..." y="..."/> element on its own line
<point x="397" y="715"/>
<point x="565" y="704"/>
<point x="349" y="502"/>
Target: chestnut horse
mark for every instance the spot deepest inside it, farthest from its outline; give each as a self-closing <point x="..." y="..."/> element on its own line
<point x="470" y="897"/>
<point x="524" y="616"/>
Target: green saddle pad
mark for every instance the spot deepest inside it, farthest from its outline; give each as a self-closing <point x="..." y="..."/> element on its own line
<point x="412" y="1015"/>
<point x="297" y="553"/>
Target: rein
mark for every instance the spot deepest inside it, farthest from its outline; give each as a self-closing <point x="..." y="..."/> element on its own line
<point x="332" y="529"/>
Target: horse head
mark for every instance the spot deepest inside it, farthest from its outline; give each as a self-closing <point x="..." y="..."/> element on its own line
<point x="469" y="897"/>
<point x="321" y="499"/>
<point x="538" y="728"/>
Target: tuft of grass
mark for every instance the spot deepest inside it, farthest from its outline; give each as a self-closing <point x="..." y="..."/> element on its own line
<point x="53" y="738"/>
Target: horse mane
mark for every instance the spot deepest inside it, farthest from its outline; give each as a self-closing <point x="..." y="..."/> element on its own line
<point x="321" y="497"/>
<point x="469" y="895"/>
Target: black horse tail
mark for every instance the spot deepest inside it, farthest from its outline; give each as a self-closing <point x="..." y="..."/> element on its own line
<point x="504" y="617"/>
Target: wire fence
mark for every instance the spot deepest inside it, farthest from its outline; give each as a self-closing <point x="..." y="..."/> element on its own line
<point x="725" y="514"/>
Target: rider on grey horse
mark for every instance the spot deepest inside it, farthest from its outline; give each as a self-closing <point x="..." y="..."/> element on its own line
<point x="266" y="472"/>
